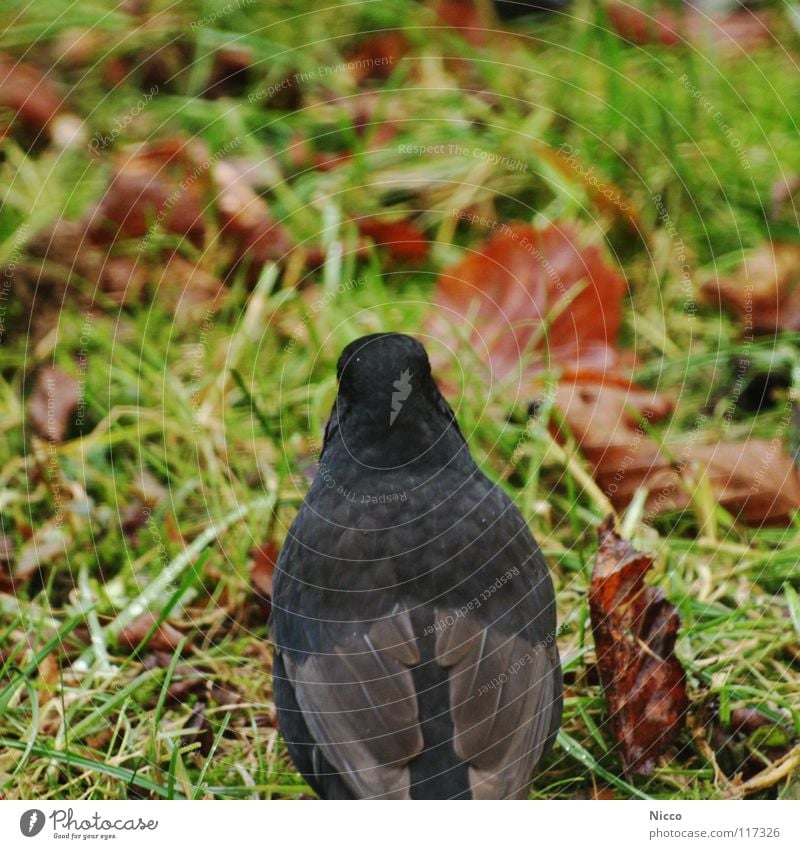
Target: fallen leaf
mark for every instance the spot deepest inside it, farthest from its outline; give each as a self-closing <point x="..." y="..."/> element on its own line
<point x="523" y="278"/>
<point x="155" y="188"/>
<point x="29" y="96"/>
<point x="52" y="403"/>
<point x="635" y="629"/>
<point x="165" y="638"/>
<point x="736" y="32"/>
<point x="402" y="240"/>
<point x="187" y="290"/>
<point x="764" y="291"/>
<point x="375" y="57"/>
<point x="467" y="18"/>
<point x="245" y="220"/>
<point x="261" y="572"/>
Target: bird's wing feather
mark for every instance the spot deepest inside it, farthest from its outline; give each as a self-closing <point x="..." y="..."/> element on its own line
<point x="505" y="698"/>
<point x="359" y="702"/>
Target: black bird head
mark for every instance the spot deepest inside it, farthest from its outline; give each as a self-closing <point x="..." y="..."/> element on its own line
<point x="389" y="411"/>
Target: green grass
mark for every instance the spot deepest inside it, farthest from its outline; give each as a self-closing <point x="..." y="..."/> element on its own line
<point x="229" y="413"/>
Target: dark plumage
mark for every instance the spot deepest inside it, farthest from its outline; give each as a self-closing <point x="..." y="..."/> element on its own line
<point x="413" y="614"/>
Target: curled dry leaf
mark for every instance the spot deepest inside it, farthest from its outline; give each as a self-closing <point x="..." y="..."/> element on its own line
<point x="52" y="403"/>
<point x="635" y="629"/>
<point x="764" y="291"/>
<point x="165" y="638"/>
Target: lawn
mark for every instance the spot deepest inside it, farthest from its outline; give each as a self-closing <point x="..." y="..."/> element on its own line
<point x="203" y="202"/>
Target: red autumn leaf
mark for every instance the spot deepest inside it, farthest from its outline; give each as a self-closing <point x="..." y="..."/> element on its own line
<point x="402" y="240"/>
<point x="523" y="278"/>
<point x="6" y="558"/>
<point x="764" y="291"/>
<point x="52" y="403"/>
<point x="740" y="31"/>
<point x="635" y="629"/>
<point x="165" y="638"/>
<point x="754" y="480"/>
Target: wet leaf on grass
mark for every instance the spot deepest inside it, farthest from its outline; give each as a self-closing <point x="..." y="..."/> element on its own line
<point x="635" y="629"/>
<point x="159" y="186"/>
<point x="54" y="399"/>
<point x="764" y="291"/>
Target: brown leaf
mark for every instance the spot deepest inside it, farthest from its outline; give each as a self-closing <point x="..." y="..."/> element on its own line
<point x="52" y="403"/>
<point x="6" y="558"/>
<point x="264" y="559"/>
<point x="157" y="186"/>
<point x="187" y="290"/>
<point x="735" y="32"/>
<point x="467" y="18"/>
<point x="754" y="480"/>
<point x="523" y="277"/>
<point x="29" y="95"/>
<point x="402" y="240"/>
<point x="376" y="57"/>
<point x="165" y="638"/>
<point x="764" y="291"/>
<point x="245" y="220"/>
<point x="635" y="629"/>
<point x="43" y="548"/>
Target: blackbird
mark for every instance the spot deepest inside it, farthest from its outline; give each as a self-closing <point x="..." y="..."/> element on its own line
<point x="414" y="618"/>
